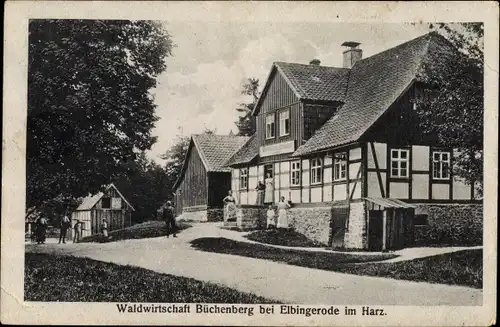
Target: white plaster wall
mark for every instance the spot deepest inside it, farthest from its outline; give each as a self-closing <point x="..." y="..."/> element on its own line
<point x="399" y="190"/>
<point x="316" y="193"/>
<point x="420" y="157"/>
<point x="420" y="186"/>
<point x="440" y="191"/>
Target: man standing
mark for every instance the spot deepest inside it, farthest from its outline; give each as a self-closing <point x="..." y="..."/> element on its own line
<point x="76" y="230"/>
<point x="168" y="216"/>
<point x="65" y="224"/>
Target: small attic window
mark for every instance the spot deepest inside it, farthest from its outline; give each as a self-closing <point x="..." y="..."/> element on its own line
<point x="106" y="203"/>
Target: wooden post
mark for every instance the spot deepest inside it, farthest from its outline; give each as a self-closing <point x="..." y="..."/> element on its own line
<point x="384" y="229"/>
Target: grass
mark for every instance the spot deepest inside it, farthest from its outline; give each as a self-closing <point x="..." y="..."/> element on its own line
<point x="286" y="237"/>
<point x="458" y="268"/>
<point x="147" y="229"/>
<point x="70" y="279"/>
<point x="318" y="260"/>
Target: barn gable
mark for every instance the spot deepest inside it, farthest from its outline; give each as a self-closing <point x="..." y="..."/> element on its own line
<point x="94" y="201"/>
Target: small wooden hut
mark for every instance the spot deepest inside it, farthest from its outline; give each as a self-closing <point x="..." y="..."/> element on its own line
<point x="110" y="204"/>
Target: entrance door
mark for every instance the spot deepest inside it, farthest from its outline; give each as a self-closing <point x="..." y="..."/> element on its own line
<point x="338" y="221"/>
<point x="268" y="169"/>
<point x="375" y="233"/>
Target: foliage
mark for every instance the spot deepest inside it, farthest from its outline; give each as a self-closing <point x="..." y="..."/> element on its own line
<point x="145" y="185"/>
<point x="246" y="122"/>
<point x="155" y="228"/>
<point x="70" y="279"/>
<point x="310" y="259"/>
<point x="457" y="268"/>
<point x="451" y="106"/>
<point x="285" y="237"/>
<point x="89" y="102"/>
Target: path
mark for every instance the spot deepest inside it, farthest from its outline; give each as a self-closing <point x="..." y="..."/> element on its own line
<point x="286" y="283"/>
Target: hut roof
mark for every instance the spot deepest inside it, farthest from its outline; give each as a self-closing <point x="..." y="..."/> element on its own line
<point x="91" y="200"/>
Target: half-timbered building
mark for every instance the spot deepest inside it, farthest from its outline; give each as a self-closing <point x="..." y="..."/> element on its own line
<point x="204" y="180"/>
<point x="342" y="145"/>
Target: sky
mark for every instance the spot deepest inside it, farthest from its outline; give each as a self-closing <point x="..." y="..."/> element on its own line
<point x="201" y="86"/>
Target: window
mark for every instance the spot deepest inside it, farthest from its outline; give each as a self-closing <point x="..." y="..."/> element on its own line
<point x="243" y="178"/>
<point x="440" y="165"/>
<point x="284" y="118"/>
<point x="295" y="172"/>
<point x="399" y="163"/>
<point x="270" y="133"/>
<point x="340" y="167"/>
<point x="316" y="171"/>
<point x="421" y="219"/>
<point x="106" y="203"/>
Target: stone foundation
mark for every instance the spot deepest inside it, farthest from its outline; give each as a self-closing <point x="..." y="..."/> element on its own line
<point x="215" y="214"/>
<point x="251" y="217"/>
<point x="450" y="224"/>
<point x="356" y="236"/>
<point x="313" y="222"/>
<point x="196" y="216"/>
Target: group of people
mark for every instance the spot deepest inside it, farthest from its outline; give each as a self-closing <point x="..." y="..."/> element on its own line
<point x="231" y="210"/>
<point x="39" y="233"/>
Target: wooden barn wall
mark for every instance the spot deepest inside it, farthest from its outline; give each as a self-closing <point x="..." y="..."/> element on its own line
<point x="219" y="183"/>
<point x="193" y="188"/>
<point x="278" y="95"/>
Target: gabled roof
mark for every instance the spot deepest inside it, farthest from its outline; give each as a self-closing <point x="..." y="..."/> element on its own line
<point x="375" y="83"/>
<point x="91" y="200"/>
<point x="310" y="82"/>
<point x="214" y="151"/>
<point x="248" y="152"/>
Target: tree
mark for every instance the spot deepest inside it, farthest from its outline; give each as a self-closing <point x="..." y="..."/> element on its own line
<point x="145" y="185"/>
<point x="451" y="104"/>
<point x="89" y="103"/>
<point x="246" y="122"/>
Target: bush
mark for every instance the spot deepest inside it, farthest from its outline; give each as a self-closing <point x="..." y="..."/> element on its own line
<point x="285" y="237"/>
<point x="448" y="235"/>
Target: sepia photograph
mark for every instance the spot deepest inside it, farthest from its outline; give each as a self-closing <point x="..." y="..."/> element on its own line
<point x="312" y="168"/>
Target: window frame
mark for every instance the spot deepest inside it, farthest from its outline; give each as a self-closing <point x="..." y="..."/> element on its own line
<point x="297" y="170"/>
<point x="316" y="168"/>
<point x="272" y="124"/>
<point x="399" y="160"/>
<point x="339" y="163"/>
<point x="243" y="177"/>
<point x="282" y="123"/>
<point x="440" y="165"/>
<point x="107" y="198"/>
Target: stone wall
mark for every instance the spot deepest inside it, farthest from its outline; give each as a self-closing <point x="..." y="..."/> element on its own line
<point x="215" y="214"/>
<point x="450" y="224"/>
<point x="313" y="222"/>
<point x="251" y="217"/>
<point x="356" y="234"/>
<point x="196" y="216"/>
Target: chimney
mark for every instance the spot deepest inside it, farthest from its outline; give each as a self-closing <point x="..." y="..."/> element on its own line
<point x="315" y="62"/>
<point x="352" y="54"/>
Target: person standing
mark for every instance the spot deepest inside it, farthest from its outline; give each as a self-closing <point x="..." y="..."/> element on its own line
<point x="41" y="229"/>
<point x="104" y="228"/>
<point x="77" y="231"/>
<point x="269" y="192"/>
<point x="230" y="206"/>
<point x="261" y="188"/>
<point x="169" y="217"/>
<point x="282" y="214"/>
<point x="271" y="223"/>
<point x="65" y="224"/>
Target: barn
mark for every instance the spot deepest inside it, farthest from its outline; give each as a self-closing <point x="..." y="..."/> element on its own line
<point x="109" y="204"/>
<point x="204" y="179"/>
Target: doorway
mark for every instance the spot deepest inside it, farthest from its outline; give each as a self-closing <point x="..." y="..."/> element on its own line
<point x="375" y="233"/>
<point x="268" y="169"/>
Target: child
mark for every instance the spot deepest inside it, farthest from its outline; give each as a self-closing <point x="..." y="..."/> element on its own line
<point x="270" y="217"/>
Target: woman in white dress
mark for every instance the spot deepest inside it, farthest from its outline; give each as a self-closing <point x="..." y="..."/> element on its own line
<point x="269" y="192"/>
<point x="282" y="218"/>
<point x="230" y="206"/>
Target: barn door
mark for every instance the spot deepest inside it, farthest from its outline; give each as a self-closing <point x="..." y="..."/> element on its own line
<point x="375" y="232"/>
<point x="338" y="225"/>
